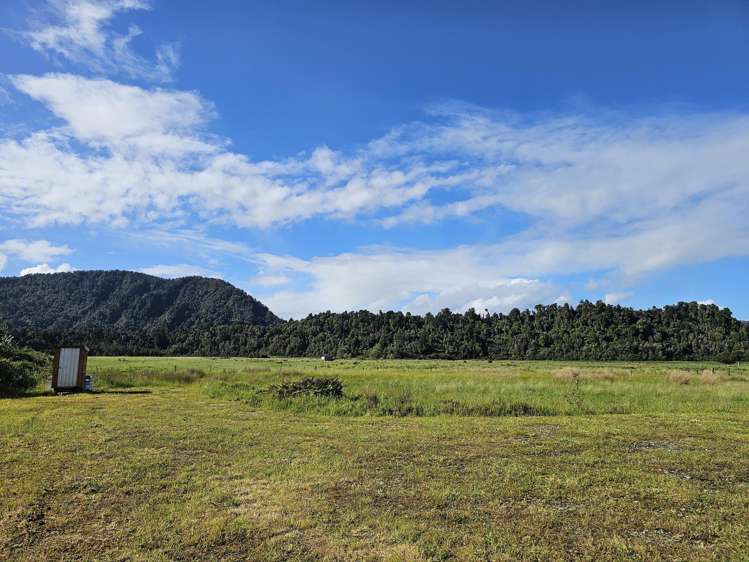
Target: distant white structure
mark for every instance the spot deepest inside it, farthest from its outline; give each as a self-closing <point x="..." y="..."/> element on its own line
<point x="327" y="358"/>
<point x="69" y="368"/>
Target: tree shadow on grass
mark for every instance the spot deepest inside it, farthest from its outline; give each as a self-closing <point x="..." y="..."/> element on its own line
<point x="53" y="394"/>
<point x="123" y="391"/>
<point x="30" y="394"/>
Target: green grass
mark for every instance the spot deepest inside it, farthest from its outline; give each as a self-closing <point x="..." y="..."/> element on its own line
<point x="178" y="459"/>
<point x="470" y="388"/>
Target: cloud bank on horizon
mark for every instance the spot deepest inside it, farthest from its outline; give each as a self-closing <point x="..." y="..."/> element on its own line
<point x="612" y="196"/>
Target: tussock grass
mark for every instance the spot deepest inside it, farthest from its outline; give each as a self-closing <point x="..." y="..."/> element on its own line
<point x="131" y="379"/>
<point x="709" y="377"/>
<point x="681" y="377"/>
<point x="704" y="376"/>
<point x="452" y="388"/>
<point x="570" y="374"/>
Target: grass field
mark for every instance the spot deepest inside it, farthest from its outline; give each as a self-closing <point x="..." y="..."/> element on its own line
<point x="191" y="458"/>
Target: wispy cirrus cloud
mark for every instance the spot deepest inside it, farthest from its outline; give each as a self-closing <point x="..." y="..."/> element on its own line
<point x="602" y="194"/>
<point x="269" y="280"/>
<point x="178" y="270"/>
<point x="80" y="32"/>
<point x="521" y="271"/>
<point x="143" y="155"/>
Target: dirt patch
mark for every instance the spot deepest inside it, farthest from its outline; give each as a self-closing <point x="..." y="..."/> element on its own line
<point x="653" y="445"/>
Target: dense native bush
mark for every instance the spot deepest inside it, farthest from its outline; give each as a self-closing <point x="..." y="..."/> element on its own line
<point x="20" y="369"/>
<point x="129" y="301"/>
<point x="589" y="331"/>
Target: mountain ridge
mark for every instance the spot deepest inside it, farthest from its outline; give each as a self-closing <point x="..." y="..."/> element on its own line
<point x="125" y="299"/>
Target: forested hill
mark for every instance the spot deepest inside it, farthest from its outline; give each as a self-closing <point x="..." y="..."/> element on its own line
<point x="588" y="331"/>
<point x="124" y="301"/>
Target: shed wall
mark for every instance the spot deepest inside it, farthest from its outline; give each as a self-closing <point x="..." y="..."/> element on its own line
<point x="67" y="371"/>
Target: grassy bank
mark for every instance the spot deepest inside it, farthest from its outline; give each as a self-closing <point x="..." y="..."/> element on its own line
<point x="158" y="467"/>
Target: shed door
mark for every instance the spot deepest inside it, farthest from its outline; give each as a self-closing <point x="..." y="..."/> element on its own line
<point x="67" y="372"/>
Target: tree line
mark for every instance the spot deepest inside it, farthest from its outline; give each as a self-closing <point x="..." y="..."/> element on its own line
<point x="589" y="331"/>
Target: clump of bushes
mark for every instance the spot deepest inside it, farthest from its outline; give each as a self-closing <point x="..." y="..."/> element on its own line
<point x="20" y="369"/>
<point x="331" y="387"/>
<point x="729" y="357"/>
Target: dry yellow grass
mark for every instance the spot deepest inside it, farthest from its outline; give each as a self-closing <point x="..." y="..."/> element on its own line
<point x="570" y="373"/>
<point x="706" y="376"/>
<point x="680" y="377"/>
<point x="710" y="377"/>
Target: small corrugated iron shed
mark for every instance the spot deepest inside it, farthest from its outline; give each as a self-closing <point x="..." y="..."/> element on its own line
<point x="69" y="368"/>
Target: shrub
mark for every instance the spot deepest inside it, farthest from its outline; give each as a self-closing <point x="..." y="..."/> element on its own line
<point x="16" y="376"/>
<point x="310" y="386"/>
<point x="729" y="357"/>
<point x="20" y="369"/>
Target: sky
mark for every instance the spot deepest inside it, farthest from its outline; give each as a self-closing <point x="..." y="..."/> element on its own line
<point x="410" y="155"/>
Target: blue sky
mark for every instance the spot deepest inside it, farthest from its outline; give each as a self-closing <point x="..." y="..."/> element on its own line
<point x="388" y="155"/>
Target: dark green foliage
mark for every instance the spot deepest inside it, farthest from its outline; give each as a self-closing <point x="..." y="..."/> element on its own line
<point x="686" y="331"/>
<point x="494" y="408"/>
<point x="20" y="369"/>
<point x="331" y="387"/>
<point x="729" y="357"/>
<point x="120" y="313"/>
<point x="124" y="301"/>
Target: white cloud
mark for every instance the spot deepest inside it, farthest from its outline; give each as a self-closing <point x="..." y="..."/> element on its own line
<point x="707" y="302"/>
<point x="143" y="159"/>
<point x="507" y="274"/>
<point x="193" y="241"/>
<point x="603" y="195"/>
<point x="5" y="98"/>
<point x="572" y="170"/>
<point x="179" y="270"/>
<point x="616" y="298"/>
<point x="78" y="30"/>
<point x="38" y="250"/>
<point x="129" y="154"/>
<point x="46" y="268"/>
<point x="269" y="280"/>
<point x="415" y="281"/>
<point x="124" y="118"/>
